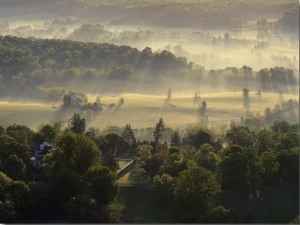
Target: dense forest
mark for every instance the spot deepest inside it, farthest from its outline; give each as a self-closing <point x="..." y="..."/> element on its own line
<point x="46" y="69"/>
<point x="194" y="174"/>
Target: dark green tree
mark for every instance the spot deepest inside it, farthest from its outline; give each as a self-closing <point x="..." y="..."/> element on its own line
<point x="172" y="162"/>
<point x="65" y="185"/>
<point x="195" y="189"/>
<point x="282" y="126"/>
<point x="47" y="132"/>
<point x="101" y="182"/>
<point x="162" y="188"/>
<point x="20" y="133"/>
<point x="4" y="181"/>
<point x="77" y="124"/>
<point x="270" y="165"/>
<point x="175" y="141"/>
<point x="232" y="172"/>
<point x="76" y="152"/>
<point x="221" y="215"/>
<point x="239" y="135"/>
<point x="111" y="141"/>
<point x="2" y="130"/>
<point x="110" y="161"/>
<point x="159" y="128"/>
<point x="17" y="192"/>
<point x="129" y="138"/>
<point x="9" y="146"/>
<point x="199" y="136"/>
<point x="288" y="170"/>
<point x="14" y="167"/>
<point x="39" y="200"/>
<point x="206" y="158"/>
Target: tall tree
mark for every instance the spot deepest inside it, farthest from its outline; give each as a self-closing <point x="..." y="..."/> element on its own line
<point x="175" y="141"/>
<point x="129" y="138"/>
<point x="159" y="128"/>
<point x="77" y="124"/>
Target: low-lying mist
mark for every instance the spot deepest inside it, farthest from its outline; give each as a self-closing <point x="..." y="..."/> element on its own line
<point x="257" y="47"/>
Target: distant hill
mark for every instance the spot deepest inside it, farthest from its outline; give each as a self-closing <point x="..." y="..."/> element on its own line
<point x="169" y="13"/>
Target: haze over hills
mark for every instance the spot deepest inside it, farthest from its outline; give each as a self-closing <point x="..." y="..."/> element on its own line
<point x="149" y="111"/>
<point x="212" y="34"/>
<point x="146" y="47"/>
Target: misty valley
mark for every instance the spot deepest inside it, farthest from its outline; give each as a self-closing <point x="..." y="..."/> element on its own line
<point x="149" y="111"/>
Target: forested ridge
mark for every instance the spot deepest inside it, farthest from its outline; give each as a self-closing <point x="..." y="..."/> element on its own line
<point x="46" y="69"/>
<point x="252" y="176"/>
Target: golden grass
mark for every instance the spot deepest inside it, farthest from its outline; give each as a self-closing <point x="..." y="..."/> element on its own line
<point x="142" y="111"/>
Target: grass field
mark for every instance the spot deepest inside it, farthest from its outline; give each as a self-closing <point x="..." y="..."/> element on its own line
<point x="143" y="111"/>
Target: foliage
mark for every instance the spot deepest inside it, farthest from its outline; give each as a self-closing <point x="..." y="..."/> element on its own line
<point x="14" y="167"/>
<point x="17" y="192"/>
<point x="176" y="140"/>
<point x="239" y="135"/>
<point x="102" y="185"/>
<point x="232" y="171"/>
<point x="111" y="142"/>
<point x="74" y="151"/>
<point x="206" y="158"/>
<point x="110" y="161"/>
<point x="195" y="188"/>
<point x="10" y="146"/>
<point x="4" y="181"/>
<point x="159" y="128"/>
<point x="77" y="124"/>
<point x="221" y="215"/>
<point x="129" y="138"/>
<point x="20" y="133"/>
<point x="288" y="170"/>
<point x="172" y="163"/>
<point x="39" y="200"/>
<point x="65" y="185"/>
<point x="162" y="188"/>
<point x="199" y="136"/>
<point x="190" y="175"/>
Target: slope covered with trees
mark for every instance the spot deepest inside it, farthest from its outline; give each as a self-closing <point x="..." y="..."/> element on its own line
<point x="45" y="69"/>
<point x="199" y="179"/>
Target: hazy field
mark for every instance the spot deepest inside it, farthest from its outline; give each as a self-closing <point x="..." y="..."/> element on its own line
<point x="142" y="111"/>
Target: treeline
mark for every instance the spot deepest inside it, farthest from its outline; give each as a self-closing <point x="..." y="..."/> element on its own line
<point x="195" y="174"/>
<point x="37" y="68"/>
